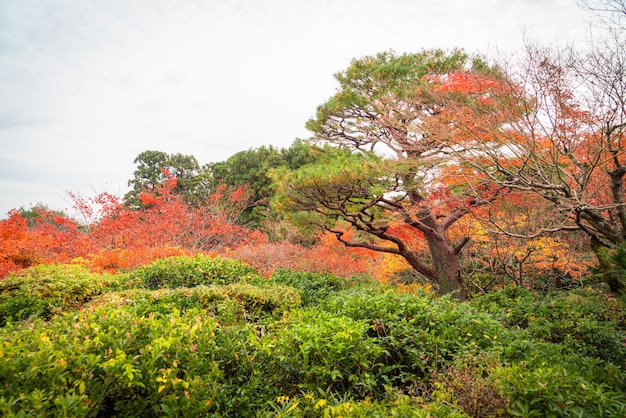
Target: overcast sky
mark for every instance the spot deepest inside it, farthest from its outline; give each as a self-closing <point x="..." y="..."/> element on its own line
<point x="87" y="85"/>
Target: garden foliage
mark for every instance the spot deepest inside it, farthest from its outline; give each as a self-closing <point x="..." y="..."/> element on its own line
<point x="200" y="336"/>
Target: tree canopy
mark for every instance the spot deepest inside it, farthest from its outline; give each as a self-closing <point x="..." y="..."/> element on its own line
<point x="251" y="168"/>
<point x="568" y="144"/>
<point x="154" y="168"/>
<point x="404" y="195"/>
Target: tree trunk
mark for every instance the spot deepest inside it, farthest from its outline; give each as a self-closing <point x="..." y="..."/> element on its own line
<point x="446" y="264"/>
<point x="445" y="270"/>
<point x="609" y="275"/>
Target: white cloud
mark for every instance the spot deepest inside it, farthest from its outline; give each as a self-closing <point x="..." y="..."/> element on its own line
<point x="89" y="84"/>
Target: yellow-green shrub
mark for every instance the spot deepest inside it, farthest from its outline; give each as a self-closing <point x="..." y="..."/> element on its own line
<point x="46" y="289"/>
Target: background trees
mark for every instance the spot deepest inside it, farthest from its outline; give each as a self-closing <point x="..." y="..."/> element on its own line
<point x="564" y="139"/>
<point x="568" y="146"/>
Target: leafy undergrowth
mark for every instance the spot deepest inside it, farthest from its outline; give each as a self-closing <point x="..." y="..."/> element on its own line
<point x="199" y="336"/>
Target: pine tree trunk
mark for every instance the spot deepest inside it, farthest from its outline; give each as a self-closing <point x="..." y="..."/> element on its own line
<point x="446" y="264"/>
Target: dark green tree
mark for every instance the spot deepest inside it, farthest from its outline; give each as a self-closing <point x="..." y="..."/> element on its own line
<point x="39" y="213"/>
<point x="252" y="168"/>
<point x="155" y="167"/>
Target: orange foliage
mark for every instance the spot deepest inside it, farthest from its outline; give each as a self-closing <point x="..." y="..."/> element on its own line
<point x="471" y="84"/>
<point x="115" y="237"/>
<point x="121" y="259"/>
<point x="523" y="260"/>
<point x="328" y="256"/>
<point x="51" y="238"/>
<point x="411" y="236"/>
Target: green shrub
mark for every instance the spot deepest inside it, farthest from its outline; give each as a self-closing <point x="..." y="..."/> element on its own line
<point x="421" y="333"/>
<point x="336" y="407"/>
<point x="232" y="303"/>
<point x="249" y="377"/>
<point x="260" y="301"/>
<point x="318" y="350"/>
<point x="119" y="362"/>
<point x="586" y="321"/>
<point x="110" y="362"/>
<point x="553" y="382"/>
<point x="545" y="380"/>
<point x="43" y="290"/>
<point x="314" y="287"/>
<point x="145" y="302"/>
<point x="242" y="345"/>
<point x="186" y="271"/>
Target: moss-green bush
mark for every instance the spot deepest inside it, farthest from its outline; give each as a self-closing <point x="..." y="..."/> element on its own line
<point x="528" y="377"/>
<point x="314" y="287"/>
<point x="551" y="381"/>
<point x="231" y="303"/>
<point x="586" y="321"/>
<point x="420" y="332"/>
<point x="318" y="350"/>
<point x="308" y="405"/>
<point x="109" y="362"/>
<point x="187" y="271"/>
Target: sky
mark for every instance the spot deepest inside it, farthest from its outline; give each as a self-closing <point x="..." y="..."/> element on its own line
<point x="87" y="85"/>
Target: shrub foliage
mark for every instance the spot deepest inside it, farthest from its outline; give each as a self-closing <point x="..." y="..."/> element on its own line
<point x="200" y="336"/>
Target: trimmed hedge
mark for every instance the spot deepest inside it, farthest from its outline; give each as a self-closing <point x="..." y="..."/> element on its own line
<point x="186" y="271"/>
<point x="241" y="345"/>
<point x="43" y="290"/>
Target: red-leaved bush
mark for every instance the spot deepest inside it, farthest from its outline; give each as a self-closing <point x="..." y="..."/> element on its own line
<point x="112" y="236"/>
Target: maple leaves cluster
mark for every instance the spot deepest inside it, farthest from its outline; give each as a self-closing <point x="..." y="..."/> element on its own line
<point x="113" y="237"/>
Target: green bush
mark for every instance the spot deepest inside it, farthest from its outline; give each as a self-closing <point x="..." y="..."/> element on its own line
<point x="261" y="301"/>
<point x="186" y="271"/>
<point x="314" y="287"/>
<point x="109" y="362"/>
<point x="119" y="362"/>
<point x="232" y="303"/>
<point x="43" y="290"/>
<point x="553" y="382"/>
<point x="586" y="321"/>
<point x="318" y="350"/>
<point x="531" y="378"/>
<point x="421" y="333"/>
<point x="336" y="407"/>
<point x="245" y="354"/>
<point x="242" y="345"/>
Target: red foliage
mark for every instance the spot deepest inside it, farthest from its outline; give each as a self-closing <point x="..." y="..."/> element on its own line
<point x="328" y="256"/>
<point x="50" y="238"/>
<point x="116" y="237"/>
